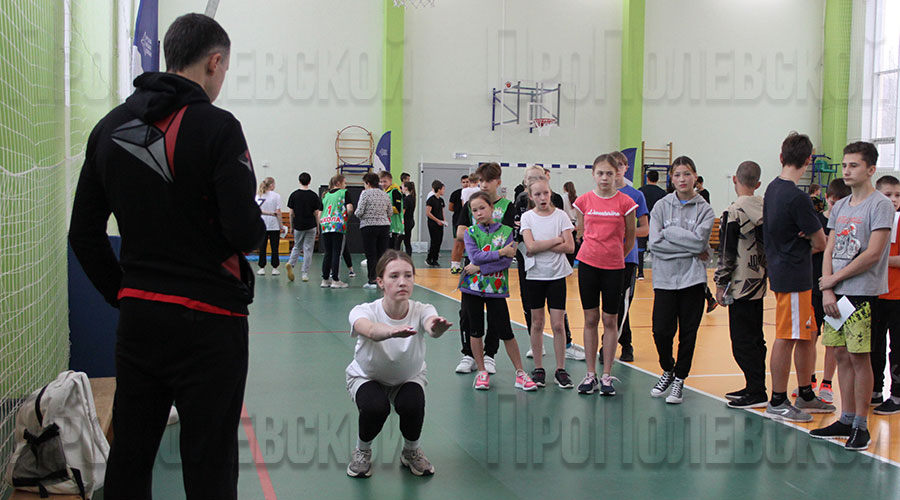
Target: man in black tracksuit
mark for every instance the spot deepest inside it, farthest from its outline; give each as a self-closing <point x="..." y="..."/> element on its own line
<point x="176" y="173"/>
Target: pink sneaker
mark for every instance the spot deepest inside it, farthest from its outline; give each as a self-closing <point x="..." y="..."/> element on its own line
<point x="482" y="381"/>
<point x="524" y="382"/>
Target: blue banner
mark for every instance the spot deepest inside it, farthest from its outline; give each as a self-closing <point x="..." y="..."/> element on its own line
<point x="383" y="153"/>
<point x="146" y="38"/>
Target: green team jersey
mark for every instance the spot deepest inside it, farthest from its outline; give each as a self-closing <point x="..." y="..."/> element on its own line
<point x="496" y="284"/>
<point x="396" y="197"/>
<point x="334" y="212"/>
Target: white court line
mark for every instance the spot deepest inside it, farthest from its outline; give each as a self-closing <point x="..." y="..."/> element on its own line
<point x="698" y="391"/>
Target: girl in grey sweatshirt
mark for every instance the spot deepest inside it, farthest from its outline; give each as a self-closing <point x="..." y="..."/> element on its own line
<point x="680" y="225"/>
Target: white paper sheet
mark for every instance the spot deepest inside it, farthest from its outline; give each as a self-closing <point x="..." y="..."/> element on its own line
<point x="846" y="309"/>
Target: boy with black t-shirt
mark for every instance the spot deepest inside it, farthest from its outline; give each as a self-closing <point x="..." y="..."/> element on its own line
<point x="434" y="211"/>
<point x="305" y="207"/>
<point x="489" y="174"/>
<point x="456" y="205"/>
<point x="854" y="270"/>
<point x="792" y="233"/>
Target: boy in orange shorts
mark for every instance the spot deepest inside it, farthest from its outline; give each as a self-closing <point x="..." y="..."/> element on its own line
<point x="792" y="233"/>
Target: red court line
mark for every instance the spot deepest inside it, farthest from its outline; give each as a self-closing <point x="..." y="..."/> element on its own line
<point x="264" y="480"/>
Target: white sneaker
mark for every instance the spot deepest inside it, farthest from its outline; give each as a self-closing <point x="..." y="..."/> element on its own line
<point x="370" y="286"/>
<point x="575" y="353"/>
<point x="530" y="354"/>
<point x="466" y="365"/>
<point x="173" y="416"/>
<point x="326" y="283"/>
<point x="276" y="272"/>
<point x="261" y="272"/>
<point x="339" y="284"/>
<point x="304" y="277"/>
<point x="365" y="262"/>
<point x="490" y="365"/>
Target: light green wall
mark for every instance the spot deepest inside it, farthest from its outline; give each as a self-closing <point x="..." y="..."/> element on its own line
<point x="836" y="77"/>
<point x="632" y="107"/>
<point x="393" y="83"/>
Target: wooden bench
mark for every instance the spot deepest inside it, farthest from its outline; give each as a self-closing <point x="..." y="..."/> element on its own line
<point x="104" y="390"/>
<point x="714" y="236"/>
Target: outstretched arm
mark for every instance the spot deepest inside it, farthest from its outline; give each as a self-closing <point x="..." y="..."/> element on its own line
<point x="436" y="326"/>
<point x="380" y="332"/>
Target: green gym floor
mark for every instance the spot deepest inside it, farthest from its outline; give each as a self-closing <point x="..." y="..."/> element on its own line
<point x="300" y="426"/>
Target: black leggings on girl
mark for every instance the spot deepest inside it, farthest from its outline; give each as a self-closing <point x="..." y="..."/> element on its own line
<point x="375" y="407"/>
<point x="681" y="311"/>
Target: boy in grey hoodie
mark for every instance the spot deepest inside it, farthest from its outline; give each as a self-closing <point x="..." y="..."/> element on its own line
<point x="680" y="225"/>
<point x="741" y="285"/>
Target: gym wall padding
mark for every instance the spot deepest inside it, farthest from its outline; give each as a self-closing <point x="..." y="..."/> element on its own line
<point x="92" y="322"/>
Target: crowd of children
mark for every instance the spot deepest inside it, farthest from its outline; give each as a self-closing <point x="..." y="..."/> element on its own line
<point x="832" y="262"/>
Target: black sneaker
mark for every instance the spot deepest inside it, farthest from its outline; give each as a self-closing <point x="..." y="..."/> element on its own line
<point x="563" y="380"/>
<point x="539" y="377"/>
<point x="877" y="399"/>
<point x="859" y="439"/>
<point x="711" y="304"/>
<point x="627" y="354"/>
<point x="749" y="401"/>
<point x="835" y="430"/>
<point x="889" y="407"/>
<point x="734" y="396"/>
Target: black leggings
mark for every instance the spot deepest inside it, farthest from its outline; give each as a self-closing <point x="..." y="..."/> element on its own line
<point x="376" y="240"/>
<point x="331" y="263"/>
<point x="407" y="236"/>
<point x="677" y="311"/>
<point x="346" y="253"/>
<point x="272" y="238"/>
<point x="375" y="407"/>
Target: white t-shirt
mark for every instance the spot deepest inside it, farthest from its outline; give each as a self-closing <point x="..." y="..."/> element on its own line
<point x="547" y="265"/>
<point x="467" y="193"/>
<point x="269" y="203"/>
<point x="394" y="361"/>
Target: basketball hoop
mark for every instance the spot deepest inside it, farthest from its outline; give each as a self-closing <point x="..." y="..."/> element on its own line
<point x="543" y="125"/>
<point x="413" y="3"/>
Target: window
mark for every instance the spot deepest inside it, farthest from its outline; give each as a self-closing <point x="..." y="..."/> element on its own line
<point x="885" y="119"/>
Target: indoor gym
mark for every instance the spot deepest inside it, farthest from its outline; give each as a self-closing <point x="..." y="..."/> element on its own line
<point x="719" y="81"/>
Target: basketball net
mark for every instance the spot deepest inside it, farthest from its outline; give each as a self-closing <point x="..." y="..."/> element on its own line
<point x="543" y="125"/>
<point x="413" y="3"/>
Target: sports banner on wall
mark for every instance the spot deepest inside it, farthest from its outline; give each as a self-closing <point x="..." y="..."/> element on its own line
<point x="383" y="153"/>
<point x="145" y="48"/>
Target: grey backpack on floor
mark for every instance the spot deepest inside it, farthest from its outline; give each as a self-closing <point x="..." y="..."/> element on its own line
<point x="59" y="445"/>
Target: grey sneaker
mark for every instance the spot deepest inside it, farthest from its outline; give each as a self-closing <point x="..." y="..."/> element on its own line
<point x="815" y="405"/>
<point x="787" y="412"/>
<point x="360" y="463"/>
<point x="662" y="385"/>
<point x="416" y="462"/>
<point x="676" y="394"/>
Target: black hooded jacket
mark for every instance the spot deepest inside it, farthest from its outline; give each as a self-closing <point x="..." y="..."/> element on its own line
<point x="176" y="173"/>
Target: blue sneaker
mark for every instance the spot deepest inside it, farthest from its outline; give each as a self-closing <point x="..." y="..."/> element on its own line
<point x="588" y="385"/>
<point x="606" y="385"/>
